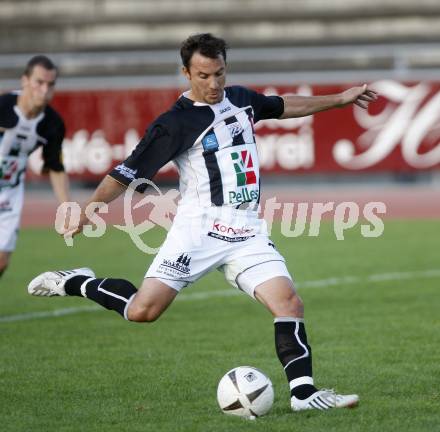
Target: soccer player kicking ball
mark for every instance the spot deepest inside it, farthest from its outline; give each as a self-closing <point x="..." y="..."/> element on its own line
<point x="209" y="134"/>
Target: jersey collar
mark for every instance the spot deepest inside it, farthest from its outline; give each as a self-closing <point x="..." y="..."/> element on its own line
<point x="185" y="95"/>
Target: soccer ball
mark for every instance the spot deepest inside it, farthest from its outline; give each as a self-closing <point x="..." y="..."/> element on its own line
<point x="246" y="392"/>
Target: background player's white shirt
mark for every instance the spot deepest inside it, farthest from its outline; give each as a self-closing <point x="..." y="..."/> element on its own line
<point x="16" y="144"/>
<point x="20" y="136"/>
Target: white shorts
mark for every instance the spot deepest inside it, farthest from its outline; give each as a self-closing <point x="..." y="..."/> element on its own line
<point x="11" y="204"/>
<point x="236" y="244"/>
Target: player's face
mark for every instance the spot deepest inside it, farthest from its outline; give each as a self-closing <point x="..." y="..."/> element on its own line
<point x="39" y="86"/>
<point x="207" y="77"/>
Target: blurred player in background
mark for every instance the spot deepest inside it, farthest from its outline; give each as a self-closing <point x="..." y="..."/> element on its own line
<point x="209" y="134"/>
<point x="26" y="123"/>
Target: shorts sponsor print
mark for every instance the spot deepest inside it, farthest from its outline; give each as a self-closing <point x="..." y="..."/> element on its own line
<point x="232" y="246"/>
<point x="225" y="232"/>
<point x="175" y="268"/>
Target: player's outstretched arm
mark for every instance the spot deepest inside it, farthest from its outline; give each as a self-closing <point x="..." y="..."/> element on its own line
<point x="300" y="106"/>
<point x="108" y="190"/>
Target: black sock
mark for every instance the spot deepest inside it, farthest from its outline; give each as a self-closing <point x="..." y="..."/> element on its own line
<point x="113" y="294"/>
<point x="295" y="355"/>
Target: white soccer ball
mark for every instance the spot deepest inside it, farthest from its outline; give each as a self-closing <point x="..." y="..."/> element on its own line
<point x="246" y="392"/>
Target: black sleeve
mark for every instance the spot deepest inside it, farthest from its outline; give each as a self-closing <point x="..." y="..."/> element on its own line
<point x="158" y="146"/>
<point x="266" y="107"/>
<point x="52" y="150"/>
<point x="8" y="117"/>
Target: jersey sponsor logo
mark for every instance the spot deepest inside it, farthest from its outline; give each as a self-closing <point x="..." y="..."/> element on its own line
<point x="235" y="129"/>
<point x="244" y="168"/>
<point x="126" y="172"/>
<point x="178" y="268"/>
<point x="243" y="195"/>
<point x="223" y="110"/>
<point x="209" y="142"/>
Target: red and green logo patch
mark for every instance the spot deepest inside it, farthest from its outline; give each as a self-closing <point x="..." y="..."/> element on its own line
<point x="244" y="168"/>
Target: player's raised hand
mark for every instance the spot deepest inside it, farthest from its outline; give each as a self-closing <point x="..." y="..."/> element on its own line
<point x="360" y="96"/>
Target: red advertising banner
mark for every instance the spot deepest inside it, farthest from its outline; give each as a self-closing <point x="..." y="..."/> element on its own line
<point x="399" y="133"/>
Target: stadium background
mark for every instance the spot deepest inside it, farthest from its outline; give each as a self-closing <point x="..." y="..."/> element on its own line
<point x="119" y="69"/>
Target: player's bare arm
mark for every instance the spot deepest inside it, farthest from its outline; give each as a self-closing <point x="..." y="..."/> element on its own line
<point x="60" y="185"/>
<point x="300" y="106"/>
<point x="107" y="191"/>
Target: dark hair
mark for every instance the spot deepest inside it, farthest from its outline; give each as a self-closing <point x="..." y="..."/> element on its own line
<point x="39" y="60"/>
<point x="204" y="43"/>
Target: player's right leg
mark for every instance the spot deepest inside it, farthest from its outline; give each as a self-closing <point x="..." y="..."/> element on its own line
<point x="280" y="298"/>
<point x="143" y="305"/>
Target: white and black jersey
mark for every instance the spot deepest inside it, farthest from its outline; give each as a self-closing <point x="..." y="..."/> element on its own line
<point x="213" y="147"/>
<point x="20" y="136"/>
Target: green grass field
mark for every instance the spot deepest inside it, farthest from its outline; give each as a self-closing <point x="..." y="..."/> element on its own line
<point x="376" y="334"/>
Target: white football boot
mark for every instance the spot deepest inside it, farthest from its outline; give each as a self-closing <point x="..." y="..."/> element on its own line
<point x="324" y="399"/>
<point x="51" y="283"/>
